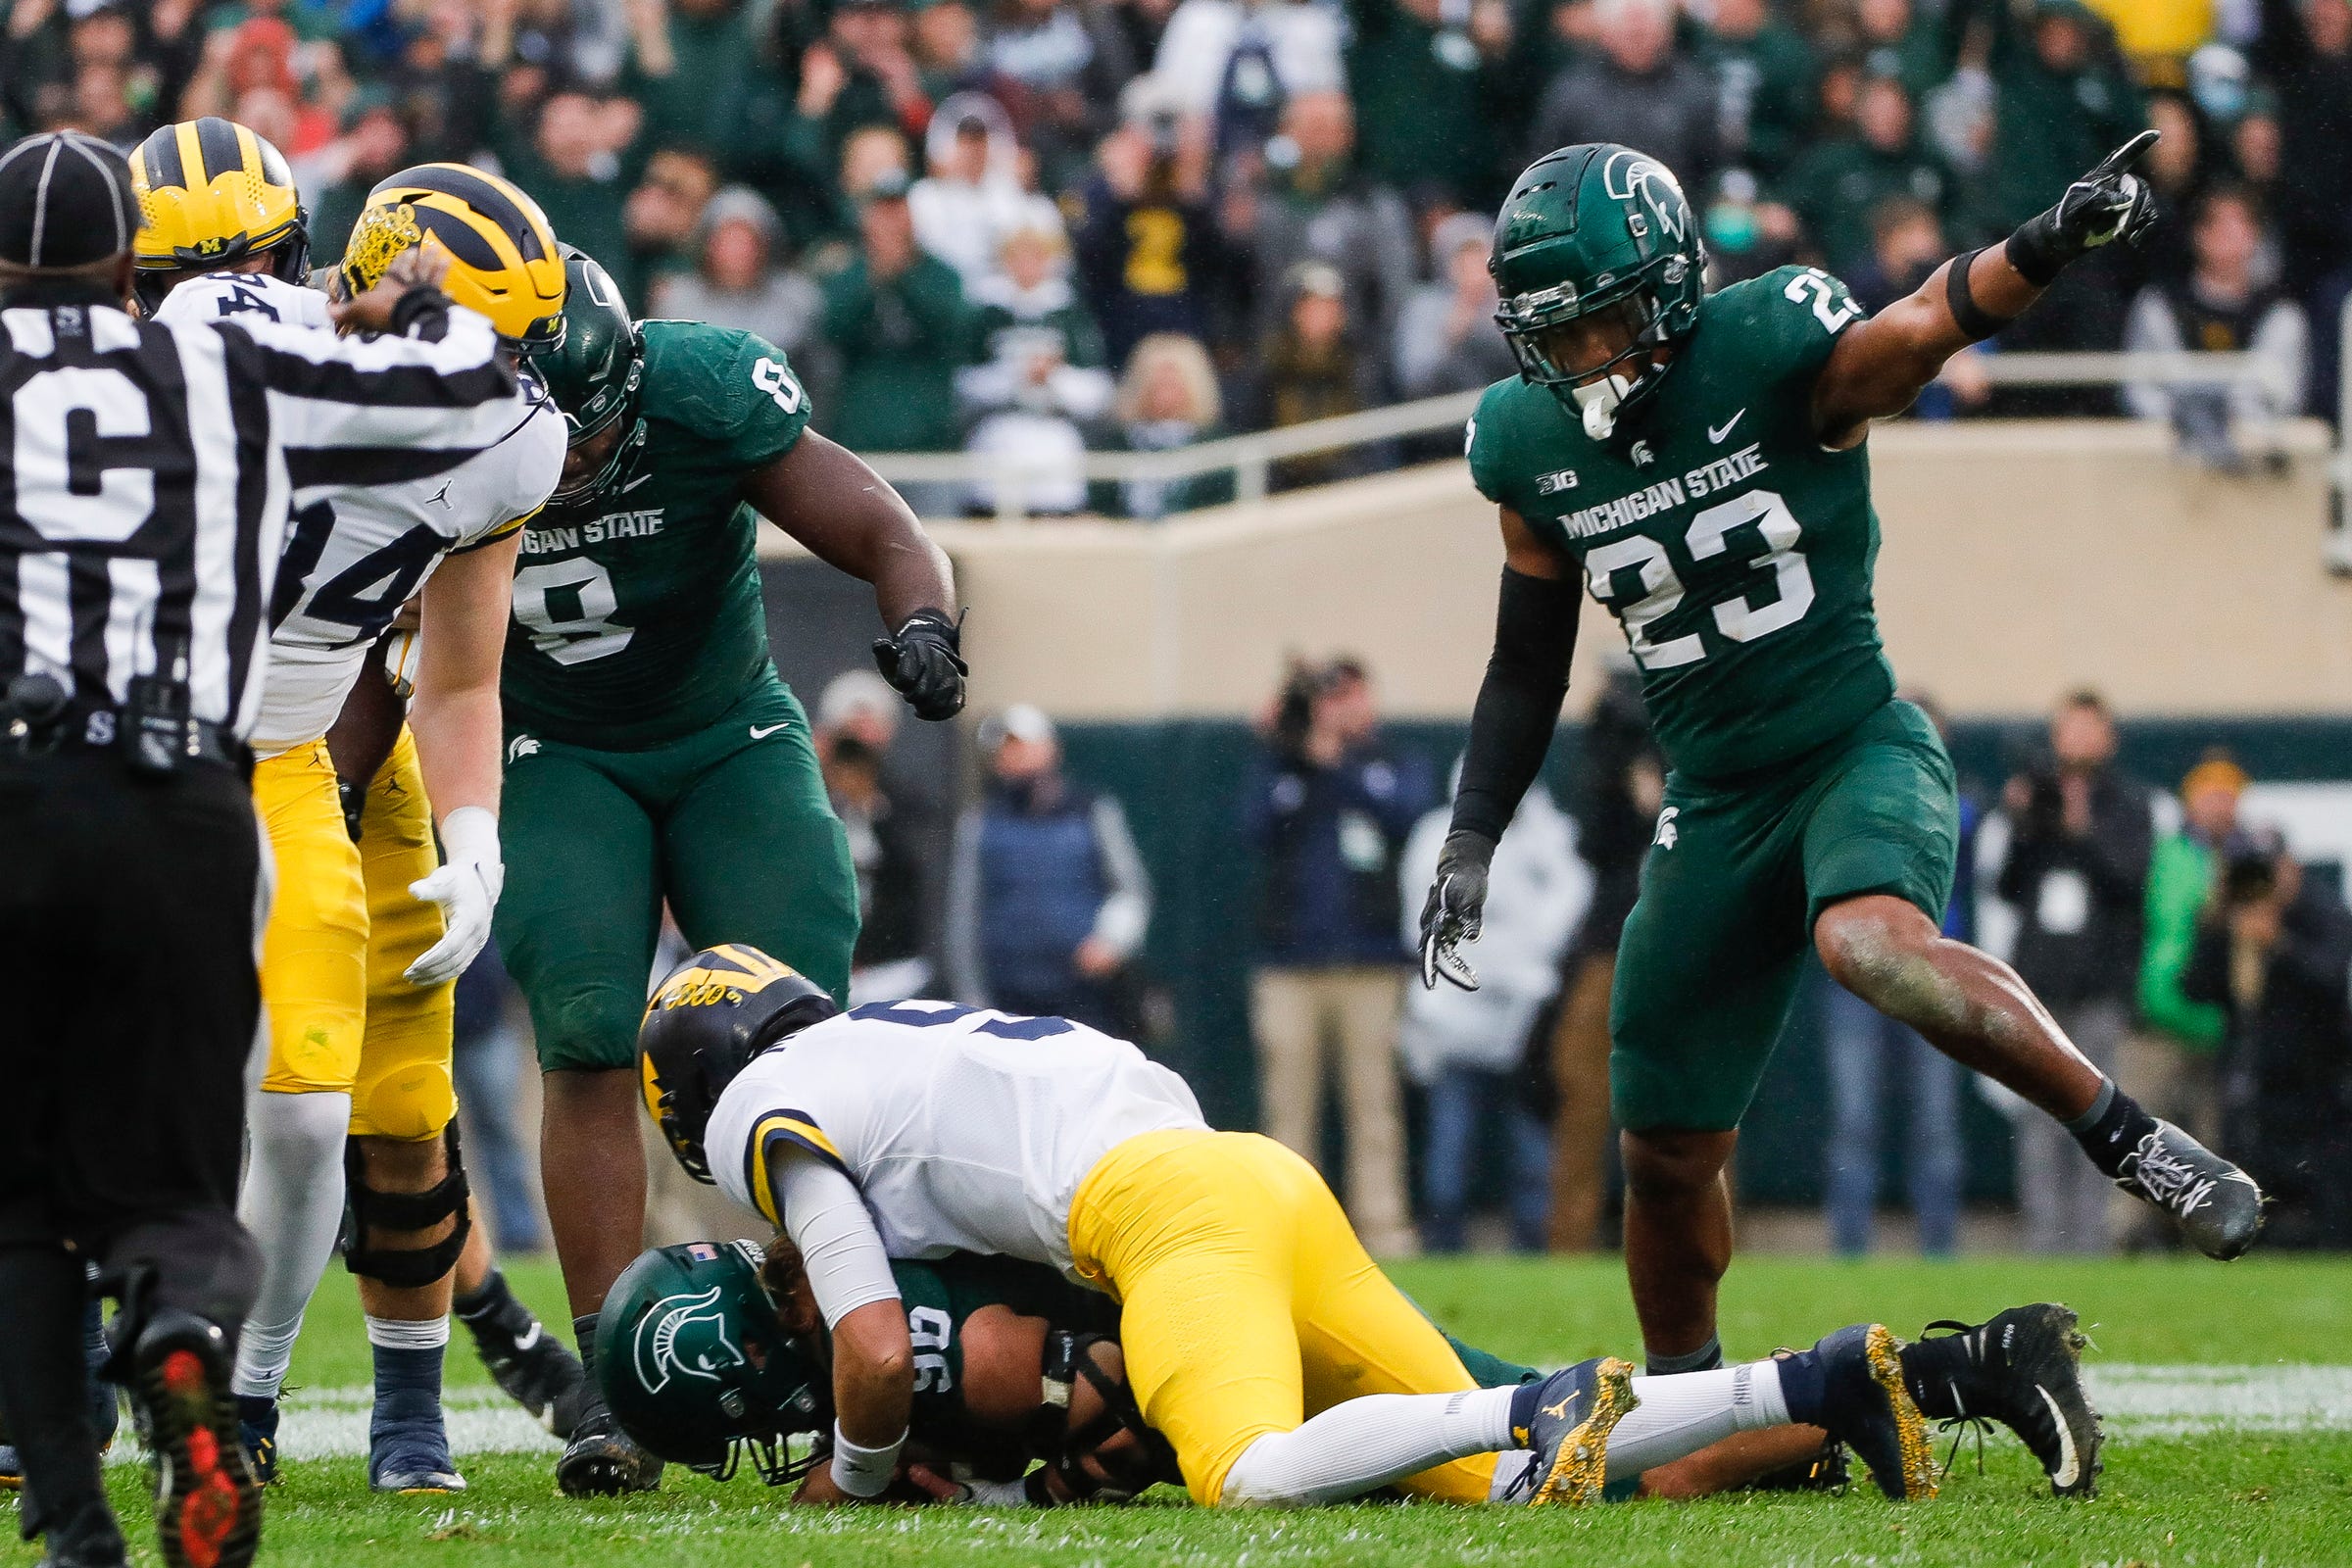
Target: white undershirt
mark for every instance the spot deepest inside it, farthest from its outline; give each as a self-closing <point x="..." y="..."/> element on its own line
<point x="827" y="1220"/>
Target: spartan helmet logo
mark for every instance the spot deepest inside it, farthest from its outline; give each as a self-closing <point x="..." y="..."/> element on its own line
<point x="1630" y="176"/>
<point x="656" y="1352"/>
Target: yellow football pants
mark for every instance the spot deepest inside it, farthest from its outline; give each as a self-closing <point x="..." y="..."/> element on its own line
<point x="1247" y="1302"/>
<point x="342" y="1016"/>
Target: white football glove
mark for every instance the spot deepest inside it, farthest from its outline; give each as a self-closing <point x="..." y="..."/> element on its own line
<point x="466" y="887"/>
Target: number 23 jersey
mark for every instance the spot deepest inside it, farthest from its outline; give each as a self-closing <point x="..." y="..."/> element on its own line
<point x="637" y="615"/>
<point x="1735" y="548"/>
<point x="965" y="1131"/>
<point x="368" y="528"/>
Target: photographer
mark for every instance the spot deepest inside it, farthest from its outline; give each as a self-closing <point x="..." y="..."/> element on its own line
<point x="2274" y="951"/>
<point x="2080" y="836"/>
<point x="1326" y="810"/>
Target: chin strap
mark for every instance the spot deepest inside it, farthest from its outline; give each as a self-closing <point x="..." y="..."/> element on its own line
<point x="1068" y="1358"/>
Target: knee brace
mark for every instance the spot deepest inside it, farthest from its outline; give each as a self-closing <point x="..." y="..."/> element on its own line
<point x="372" y="1208"/>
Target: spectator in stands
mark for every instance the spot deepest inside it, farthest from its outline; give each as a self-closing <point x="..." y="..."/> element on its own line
<point x="1315" y="365"/>
<point x="944" y="38"/>
<point x="1041" y="384"/>
<point x="1639" y="89"/>
<point x="1747" y="237"/>
<point x="2168" y="1064"/>
<point x="1907" y="245"/>
<point x="897" y="317"/>
<point x="1871" y="1060"/>
<point x="2226" y="304"/>
<point x="572" y="167"/>
<point x="972" y="201"/>
<point x="1325" y="813"/>
<point x="1148" y="245"/>
<point x="1464" y="1047"/>
<point x="1896" y="40"/>
<point x="2077" y="871"/>
<point x="1049" y="903"/>
<point x="889" y="964"/>
<point x="1766" y="82"/>
<point x="686" y="65"/>
<point x="1317" y="204"/>
<point x="2064" y="102"/>
<point x="487" y="1065"/>
<point x="1834" y="184"/>
<point x="1446" y="337"/>
<point x="2158" y="37"/>
<point x="1425" y="76"/>
<point x="2274" y="952"/>
<point x="1620" y="784"/>
<point x="738" y="283"/>
<point x="664" y="215"/>
<point x="1167" y="399"/>
<point x="2305" y="49"/>
<point x="1238" y="62"/>
<point x="1062" y="65"/>
<point x="373" y="146"/>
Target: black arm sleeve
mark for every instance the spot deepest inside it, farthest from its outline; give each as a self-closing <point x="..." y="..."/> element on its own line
<point x="1519" y="701"/>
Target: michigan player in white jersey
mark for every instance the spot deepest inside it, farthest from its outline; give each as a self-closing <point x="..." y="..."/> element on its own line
<point x="370" y="926"/>
<point x="1260" y="1340"/>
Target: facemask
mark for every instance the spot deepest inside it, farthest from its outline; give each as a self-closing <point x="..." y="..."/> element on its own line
<point x="1599" y="400"/>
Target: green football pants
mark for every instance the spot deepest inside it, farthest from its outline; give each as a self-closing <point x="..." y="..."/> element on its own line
<point x="729" y="825"/>
<point x="1734" y="879"/>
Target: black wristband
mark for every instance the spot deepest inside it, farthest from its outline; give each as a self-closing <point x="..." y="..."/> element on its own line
<point x="2033" y="250"/>
<point x="413" y="306"/>
<point x="1958" y="296"/>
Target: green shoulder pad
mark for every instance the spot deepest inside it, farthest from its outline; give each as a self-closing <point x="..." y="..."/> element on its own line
<point x="733" y="389"/>
<point x="1496" y="441"/>
<point x="1787" y="320"/>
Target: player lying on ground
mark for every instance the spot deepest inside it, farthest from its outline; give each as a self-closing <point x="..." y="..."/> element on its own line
<point x="1018" y="1367"/>
<point x="1697" y="460"/>
<point x="355" y="1113"/>
<point x="1261" y="1341"/>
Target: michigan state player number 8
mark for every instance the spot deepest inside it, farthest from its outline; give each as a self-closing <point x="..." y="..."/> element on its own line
<point x="1742" y="620"/>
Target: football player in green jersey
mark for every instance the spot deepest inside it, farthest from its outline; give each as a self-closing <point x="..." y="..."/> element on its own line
<point x="653" y="754"/>
<point x="1699" y="462"/>
<point x="714" y="1351"/>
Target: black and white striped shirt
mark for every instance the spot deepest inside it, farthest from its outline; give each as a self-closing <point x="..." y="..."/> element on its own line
<point x="145" y="472"/>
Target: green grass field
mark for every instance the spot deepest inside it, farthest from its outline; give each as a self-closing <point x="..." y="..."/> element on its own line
<point x="2248" y="1466"/>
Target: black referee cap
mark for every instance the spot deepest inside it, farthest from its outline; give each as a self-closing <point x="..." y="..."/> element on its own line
<point x="64" y="201"/>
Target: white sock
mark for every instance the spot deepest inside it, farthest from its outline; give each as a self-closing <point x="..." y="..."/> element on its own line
<point x="1679" y="1415"/>
<point x="292" y="1202"/>
<point x="408" y="1334"/>
<point x="1366" y="1442"/>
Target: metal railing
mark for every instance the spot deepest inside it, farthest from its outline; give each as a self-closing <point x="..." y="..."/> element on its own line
<point x="1250" y="458"/>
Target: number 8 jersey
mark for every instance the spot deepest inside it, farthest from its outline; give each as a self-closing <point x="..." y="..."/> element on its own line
<point x="1735" y="550"/>
<point x="368" y="528"/>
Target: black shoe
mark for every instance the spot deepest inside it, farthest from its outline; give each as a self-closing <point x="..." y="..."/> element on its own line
<point x="604" y="1462"/>
<point x="208" y="1506"/>
<point x="1576" y="1409"/>
<point x="1824" y="1470"/>
<point x="538" y="1370"/>
<point x="256" y="1429"/>
<point x="2023" y="1368"/>
<point x="2217" y="1206"/>
<point x="1866" y="1405"/>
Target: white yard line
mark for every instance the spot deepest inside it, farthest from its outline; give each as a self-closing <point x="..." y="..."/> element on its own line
<point x="2136" y="1400"/>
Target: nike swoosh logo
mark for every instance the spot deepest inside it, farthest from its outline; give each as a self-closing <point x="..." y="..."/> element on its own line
<point x="2069" y="1467"/>
<point x="762" y="732"/>
<point x="1716" y="433"/>
<point x="528" y="1340"/>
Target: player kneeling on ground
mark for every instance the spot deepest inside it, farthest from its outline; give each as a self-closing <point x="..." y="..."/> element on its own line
<point x="1261" y="1341"/>
<point x="711" y="1352"/>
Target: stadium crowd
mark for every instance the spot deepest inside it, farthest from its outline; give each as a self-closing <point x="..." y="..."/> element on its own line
<point x="1036" y="226"/>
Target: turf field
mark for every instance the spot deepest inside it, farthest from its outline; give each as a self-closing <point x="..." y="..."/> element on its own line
<point x="2228" y="1392"/>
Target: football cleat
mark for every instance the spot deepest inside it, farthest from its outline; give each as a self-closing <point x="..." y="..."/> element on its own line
<point x="2217" y="1206"/>
<point x="12" y="1468"/>
<point x="1823" y="1470"/>
<point x="2022" y="1368"/>
<point x="601" y="1460"/>
<point x="1866" y="1405"/>
<point x="208" y="1506"/>
<point x="1574" y="1411"/>
<point x="408" y="1444"/>
<point x="257" y="1429"/>
<point x="538" y="1370"/>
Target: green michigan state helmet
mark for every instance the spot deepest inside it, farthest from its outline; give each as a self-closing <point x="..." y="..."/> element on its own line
<point x="1590" y="229"/>
<point x="696" y="1367"/>
<point x="715" y="1012"/>
<point x="594" y="377"/>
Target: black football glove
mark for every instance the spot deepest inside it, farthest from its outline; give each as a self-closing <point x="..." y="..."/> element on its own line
<point x="2106" y="204"/>
<point x="922" y="663"/>
<point x="1456" y="908"/>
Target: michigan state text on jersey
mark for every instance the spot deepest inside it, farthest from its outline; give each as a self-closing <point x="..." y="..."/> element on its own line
<point x="653" y="754"/>
<point x="1698" y="462"/>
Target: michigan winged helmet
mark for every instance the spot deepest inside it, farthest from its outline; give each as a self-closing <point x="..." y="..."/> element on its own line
<point x="211" y="194"/>
<point x="715" y="1012"/>
<point x="502" y="258"/>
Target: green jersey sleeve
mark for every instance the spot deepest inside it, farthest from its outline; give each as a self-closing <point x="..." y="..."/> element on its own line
<point x="733" y="390"/>
<point x="1488" y="443"/>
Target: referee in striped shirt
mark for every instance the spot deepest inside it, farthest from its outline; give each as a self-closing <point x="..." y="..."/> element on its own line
<point x="144" y="477"/>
